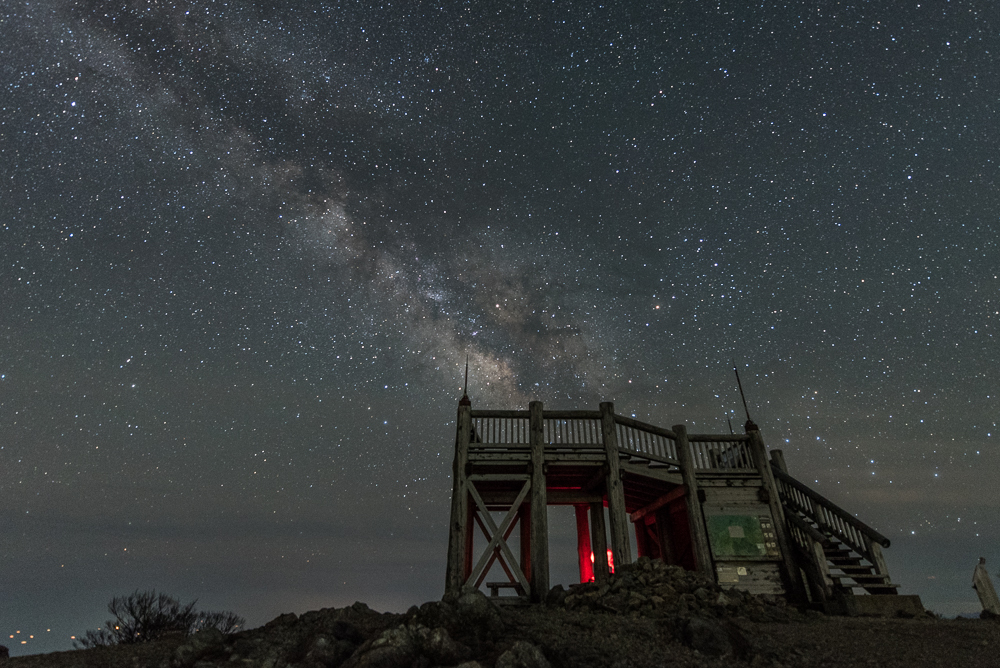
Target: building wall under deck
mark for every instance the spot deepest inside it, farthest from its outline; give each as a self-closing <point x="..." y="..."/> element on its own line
<point x="741" y="535"/>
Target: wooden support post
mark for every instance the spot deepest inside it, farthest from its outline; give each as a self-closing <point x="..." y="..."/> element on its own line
<point x="621" y="549"/>
<point x="458" y="527"/>
<point x="524" y="520"/>
<point x="599" y="541"/>
<point x="583" y="551"/>
<point x="696" y="516"/>
<point x="663" y="530"/>
<point x="877" y="559"/>
<point x="822" y="583"/>
<point x="470" y="540"/>
<point x="539" y="505"/>
<point x="642" y="550"/>
<point x="793" y="576"/>
<point x="778" y="459"/>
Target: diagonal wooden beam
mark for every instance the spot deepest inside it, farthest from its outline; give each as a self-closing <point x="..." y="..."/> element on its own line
<point x="675" y="493"/>
<point x="496" y="540"/>
<point x="496" y="556"/>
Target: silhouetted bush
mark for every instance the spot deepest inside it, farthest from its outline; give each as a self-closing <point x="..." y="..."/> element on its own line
<point x="147" y="615"/>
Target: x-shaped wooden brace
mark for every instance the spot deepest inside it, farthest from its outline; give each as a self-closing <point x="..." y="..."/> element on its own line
<point x="498" y="539"/>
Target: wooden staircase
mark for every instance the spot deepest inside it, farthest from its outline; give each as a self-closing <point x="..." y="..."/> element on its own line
<point x="849" y="571"/>
<point x="840" y="555"/>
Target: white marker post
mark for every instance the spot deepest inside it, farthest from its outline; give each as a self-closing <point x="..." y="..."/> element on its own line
<point x="984" y="587"/>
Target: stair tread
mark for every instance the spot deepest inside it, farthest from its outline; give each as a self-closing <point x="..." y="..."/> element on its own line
<point x="859" y="576"/>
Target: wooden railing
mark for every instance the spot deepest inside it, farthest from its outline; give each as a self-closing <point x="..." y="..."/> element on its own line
<point x="572" y="428"/>
<point x="582" y="430"/>
<point x="721" y="453"/>
<point x="500" y="427"/>
<point x="831" y="519"/>
<point x="646" y="440"/>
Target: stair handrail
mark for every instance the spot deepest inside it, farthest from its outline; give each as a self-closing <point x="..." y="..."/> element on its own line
<point x="806" y="528"/>
<point x="873" y="535"/>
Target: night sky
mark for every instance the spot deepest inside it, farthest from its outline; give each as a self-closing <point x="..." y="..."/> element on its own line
<point x="246" y="251"/>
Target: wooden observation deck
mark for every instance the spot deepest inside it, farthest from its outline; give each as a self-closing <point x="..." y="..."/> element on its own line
<point x="708" y="502"/>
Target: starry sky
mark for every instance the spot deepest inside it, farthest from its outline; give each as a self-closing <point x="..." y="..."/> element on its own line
<point x="247" y="250"/>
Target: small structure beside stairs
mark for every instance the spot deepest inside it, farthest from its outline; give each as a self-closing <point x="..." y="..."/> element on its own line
<point x="715" y="503"/>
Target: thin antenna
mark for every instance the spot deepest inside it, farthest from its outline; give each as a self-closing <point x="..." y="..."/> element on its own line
<point x="749" y="426"/>
<point x="464" y="401"/>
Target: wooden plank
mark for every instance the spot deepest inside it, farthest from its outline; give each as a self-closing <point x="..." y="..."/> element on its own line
<point x="555" y="497"/>
<point x="572" y="415"/>
<point x="717" y="438"/>
<point x="539" y="506"/>
<point x="642" y="426"/>
<point x="459" y="505"/>
<point x="696" y="517"/>
<point x="498" y="476"/>
<point x="621" y="548"/>
<point x="733" y="496"/>
<point x="659" y="503"/>
<point x="499" y="414"/>
<point x="729" y="482"/>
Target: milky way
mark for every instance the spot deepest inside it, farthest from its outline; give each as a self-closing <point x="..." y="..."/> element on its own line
<point x="247" y="252"/>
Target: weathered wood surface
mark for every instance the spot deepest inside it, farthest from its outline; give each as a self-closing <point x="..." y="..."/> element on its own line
<point x="696" y="518"/>
<point x="984" y="588"/>
<point x="621" y="547"/>
<point x="759" y="577"/>
<point x="458" y="525"/>
<point x="642" y="426"/>
<point x="539" y="506"/>
<point x="659" y="503"/>
<point x="497" y="539"/>
<point x="778" y="459"/>
<point x="832" y="508"/>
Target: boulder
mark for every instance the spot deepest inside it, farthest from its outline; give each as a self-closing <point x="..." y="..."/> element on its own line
<point x="409" y="645"/>
<point x="523" y="655"/>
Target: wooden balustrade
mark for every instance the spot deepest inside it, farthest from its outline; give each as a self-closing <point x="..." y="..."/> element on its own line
<point x="831" y="518"/>
<point x="583" y="429"/>
<point x="646" y="440"/>
<point x="726" y="453"/>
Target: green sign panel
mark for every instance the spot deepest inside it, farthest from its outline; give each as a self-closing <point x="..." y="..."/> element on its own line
<point x="742" y="536"/>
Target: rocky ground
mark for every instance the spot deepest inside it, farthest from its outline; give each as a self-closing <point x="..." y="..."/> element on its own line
<point x="647" y="615"/>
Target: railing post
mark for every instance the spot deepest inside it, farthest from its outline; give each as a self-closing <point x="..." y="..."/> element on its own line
<point x="539" y="505"/>
<point x="877" y="559"/>
<point x="459" y="524"/>
<point x="621" y="549"/>
<point x="696" y="516"/>
<point x="778" y="459"/>
<point x="793" y="576"/>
